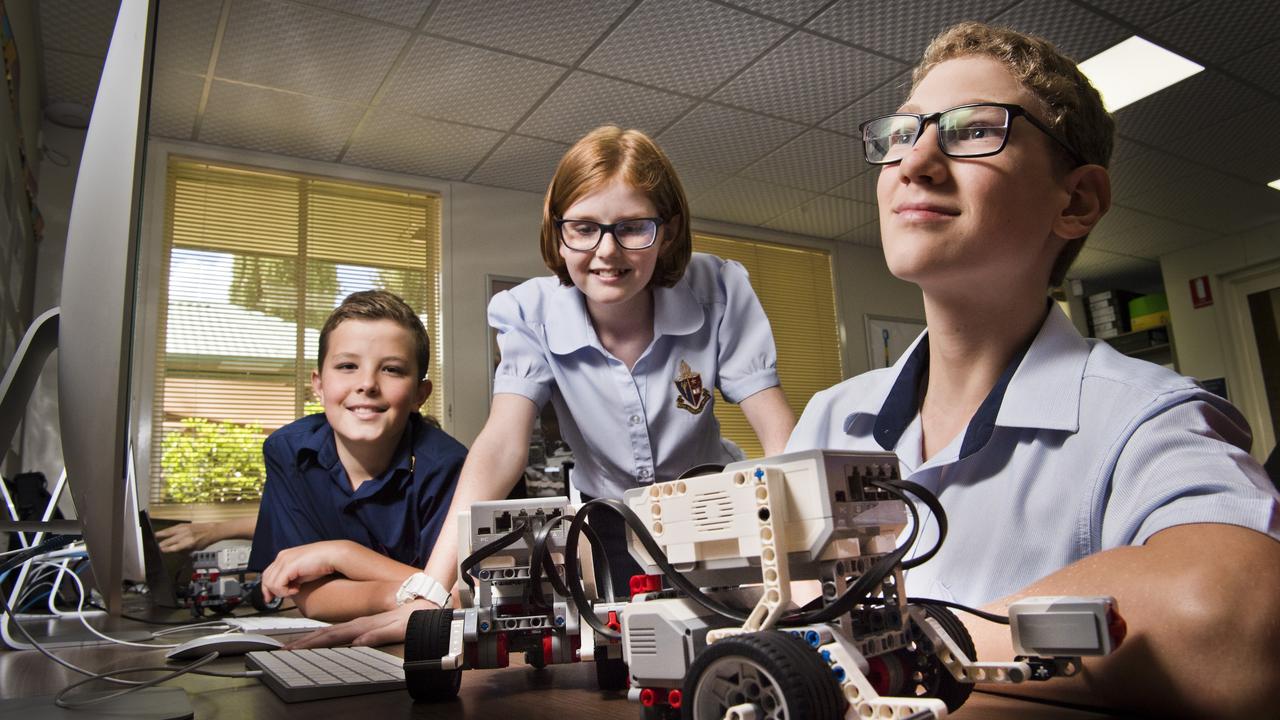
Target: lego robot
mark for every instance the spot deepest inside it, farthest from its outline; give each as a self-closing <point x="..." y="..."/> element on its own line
<point x="219" y="583"/>
<point x="514" y="601"/>
<point x="725" y="642"/>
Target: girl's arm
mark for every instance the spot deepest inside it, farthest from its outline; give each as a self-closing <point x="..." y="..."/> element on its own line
<point x="771" y="418"/>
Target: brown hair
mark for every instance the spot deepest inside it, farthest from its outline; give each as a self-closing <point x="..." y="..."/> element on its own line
<point x="1068" y="101"/>
<point x="610" y="152"/>
<point x="379" y="305"/>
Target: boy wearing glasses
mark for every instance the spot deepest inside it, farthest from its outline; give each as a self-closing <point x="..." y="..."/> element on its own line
<point x="1064" y="467"/>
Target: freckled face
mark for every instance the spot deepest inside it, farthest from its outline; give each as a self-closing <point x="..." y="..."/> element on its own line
<point x="369" y="382"/>
<point x="970" y="222"/>
<point x="610" y="275"/>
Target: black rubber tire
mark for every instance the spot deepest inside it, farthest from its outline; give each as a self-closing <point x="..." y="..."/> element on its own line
<point x="659" y="712"/>
<point x="427" y="638"/>
<point x="806" y="685"/>
<point x="611" y="673"/>
<point x="928" y="677"/>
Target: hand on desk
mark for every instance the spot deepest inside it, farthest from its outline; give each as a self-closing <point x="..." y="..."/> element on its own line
<point x="385" y="628"/>
<point x="296" y="566"/>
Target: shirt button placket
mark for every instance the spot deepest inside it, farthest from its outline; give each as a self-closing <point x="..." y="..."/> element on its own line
<point x="637" y="428"/>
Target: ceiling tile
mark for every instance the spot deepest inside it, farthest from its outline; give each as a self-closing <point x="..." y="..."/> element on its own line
<point x="790" y="11"/>
<point x="449" y="81"/>
<point x="184" y="35"/>
<point x="825" y="217"/>
<point x="1139" y="234"/>
<point x="1213" y="201"/>
<point x="71" y="78"/>
<point x="1216" y="32"/>
<point x="1198" y="102"/>
<point x="690" y="46"/>
<point x="175" y="98"/>
<point x="277" y="122"/>
<point x="585" y="101"/>
<point x="901" y="31"/>
<point x="1075" y="31"/>
<point x="1141" y="12"/>
<point x="305" y="49"/>
<point x="817" y="160"/>
<point x="867" y="234"/>
<point x="807" y="78"/>
<point x="1239" y="145"/>
<point x="521" y="163"/>
<point x="862" y="188"/>
<point x="724" y="139"/>
<point x="555" y="30"/>
<point x="404" y="143"/>
<point x="1141" y="172"/>
<point x="78" y="26"/>
<point x="1106" y="269"/>
<point x="747" y="202"/>
<point x="698" y="182"/>
<point x="881" y="101"/>
<point x="405" y="13"/>
<point x="1259" y="67"/>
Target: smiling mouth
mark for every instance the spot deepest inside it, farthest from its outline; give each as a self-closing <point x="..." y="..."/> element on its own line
<point x="610" y="274"/>
<point x="366" y="411"/>
<point x="922" y="210"/>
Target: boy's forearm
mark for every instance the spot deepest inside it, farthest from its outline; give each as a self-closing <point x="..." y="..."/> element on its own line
<point x="337" y="599"/>
<point x="354" y="561"/>
<point x="1202" y="605"/>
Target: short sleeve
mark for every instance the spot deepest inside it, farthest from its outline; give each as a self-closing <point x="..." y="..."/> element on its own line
<point x="748" y="358"/>
<point x="523" y="368"/>
<point x="282" y="521"/>
<point x="1188" y="464"/>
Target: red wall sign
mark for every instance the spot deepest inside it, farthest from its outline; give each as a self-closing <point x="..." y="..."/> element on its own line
<point x="1201" y="296"/>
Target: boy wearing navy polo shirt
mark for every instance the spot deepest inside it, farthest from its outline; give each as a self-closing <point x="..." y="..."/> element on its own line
<point x="368" y="474"/>
<point x="1064" y="467"/>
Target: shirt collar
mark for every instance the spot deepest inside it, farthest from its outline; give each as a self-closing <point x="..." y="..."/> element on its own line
<point x="321" y="448"/>
<point x="676" y="311"/>
<point x="1040" y="388"/>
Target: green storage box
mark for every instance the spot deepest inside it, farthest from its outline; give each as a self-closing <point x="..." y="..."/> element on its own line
<point x="1148" y="304"/>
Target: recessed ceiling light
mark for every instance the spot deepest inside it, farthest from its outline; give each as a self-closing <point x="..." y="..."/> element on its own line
<point x="1274" y="184"/>
<point x="1134" y="69"/>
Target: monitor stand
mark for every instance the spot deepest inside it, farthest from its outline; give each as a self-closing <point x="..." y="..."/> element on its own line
<point x="146" y="704"/>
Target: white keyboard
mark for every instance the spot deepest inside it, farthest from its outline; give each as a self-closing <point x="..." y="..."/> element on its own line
<point x="297" y="675"/>
<point x="274" y="624"/>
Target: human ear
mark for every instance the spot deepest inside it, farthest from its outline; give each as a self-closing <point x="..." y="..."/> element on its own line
<point x="1088" y="199"/>
<point x="316" y="385"/>
<point x="423" y="392"/>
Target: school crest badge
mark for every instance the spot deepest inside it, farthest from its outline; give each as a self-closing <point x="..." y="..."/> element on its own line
<point x="692" y="395"/>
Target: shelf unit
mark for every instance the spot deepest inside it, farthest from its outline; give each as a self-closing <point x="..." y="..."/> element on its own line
<point x="1153" y="344"/>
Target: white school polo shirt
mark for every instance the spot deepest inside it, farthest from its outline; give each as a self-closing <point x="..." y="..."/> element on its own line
<point x="1077" y="449"/>
<point x="653" y="422"/>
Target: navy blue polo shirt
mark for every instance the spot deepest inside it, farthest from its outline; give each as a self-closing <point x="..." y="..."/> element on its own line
<point x="308" y="497"/>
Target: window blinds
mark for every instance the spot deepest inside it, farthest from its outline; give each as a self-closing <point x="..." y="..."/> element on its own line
<point x="795" y="288"/>
<point x="255" y="261"/>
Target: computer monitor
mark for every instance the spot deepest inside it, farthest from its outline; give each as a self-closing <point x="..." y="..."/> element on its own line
<point x="98" y="294"/>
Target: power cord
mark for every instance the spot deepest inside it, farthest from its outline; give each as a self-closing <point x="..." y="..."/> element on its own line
<point x="52" y="543"/>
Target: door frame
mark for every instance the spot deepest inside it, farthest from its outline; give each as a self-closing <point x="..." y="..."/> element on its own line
<point x="1244" y="366"/>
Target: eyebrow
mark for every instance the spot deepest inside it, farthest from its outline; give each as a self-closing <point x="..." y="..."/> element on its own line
<point x="337" y="357"/>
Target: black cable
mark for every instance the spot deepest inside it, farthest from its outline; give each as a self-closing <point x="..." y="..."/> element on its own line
<point x="991" y="617"/>
<point x="492" y="548"/>
<point x="540" y="563"/>
<point x="702" y="469"/>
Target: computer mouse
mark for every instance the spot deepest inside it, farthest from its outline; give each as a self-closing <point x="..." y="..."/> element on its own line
<point x="223" y="644"/>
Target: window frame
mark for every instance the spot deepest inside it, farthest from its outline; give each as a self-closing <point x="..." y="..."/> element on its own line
<point x="153" y="267"/>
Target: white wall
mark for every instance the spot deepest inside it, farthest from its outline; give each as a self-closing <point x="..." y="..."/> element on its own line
<point x="1196" y="332"/>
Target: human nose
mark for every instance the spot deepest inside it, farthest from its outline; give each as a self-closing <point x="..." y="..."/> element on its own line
<point x="608" y="244"/>
<point x="367" y="382"/>
<point x="925" y="161"/>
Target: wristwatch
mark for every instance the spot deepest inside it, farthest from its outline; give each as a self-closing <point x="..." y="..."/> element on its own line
<point x="422" y="585"/>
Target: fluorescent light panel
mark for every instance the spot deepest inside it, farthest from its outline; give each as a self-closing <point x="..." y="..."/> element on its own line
<point x="1134" y="69"/>
<point x="1274" y="184"/>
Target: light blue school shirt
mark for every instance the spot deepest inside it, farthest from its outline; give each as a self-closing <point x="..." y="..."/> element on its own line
<point x="653" y="422"/>
<point x="1077" y="449"/>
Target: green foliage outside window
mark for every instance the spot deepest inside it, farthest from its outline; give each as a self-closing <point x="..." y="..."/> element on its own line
<point x="211" y="461"/>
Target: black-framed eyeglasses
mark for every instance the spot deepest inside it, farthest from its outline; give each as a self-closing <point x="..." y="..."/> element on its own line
<point x="630" y="234"/>
<point x="965" y="131"/>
